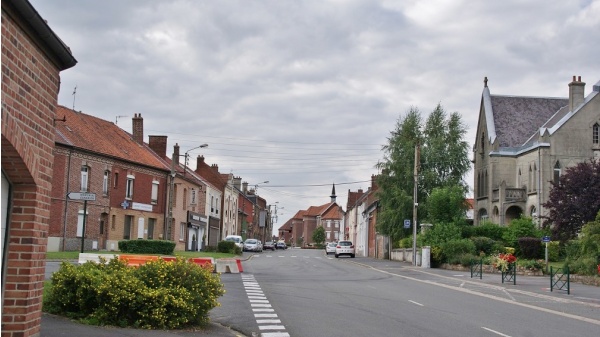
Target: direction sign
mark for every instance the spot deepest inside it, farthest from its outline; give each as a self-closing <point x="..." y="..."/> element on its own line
<point x="81" y="196"/>
<point x="407" y="223"/>
<point x="546" y="239"/>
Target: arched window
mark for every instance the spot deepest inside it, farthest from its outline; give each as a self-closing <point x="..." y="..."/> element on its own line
<point x="556" y="172"/>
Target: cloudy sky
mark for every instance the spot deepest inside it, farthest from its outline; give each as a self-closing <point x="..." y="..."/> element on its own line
<point x="303" y="94"/>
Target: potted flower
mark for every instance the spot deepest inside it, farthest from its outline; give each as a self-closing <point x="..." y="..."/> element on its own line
<point x="503" y="262"/>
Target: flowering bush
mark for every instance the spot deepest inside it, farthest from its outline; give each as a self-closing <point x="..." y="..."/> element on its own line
<point x="156" y="295"/>
<point x="503" y="261"/>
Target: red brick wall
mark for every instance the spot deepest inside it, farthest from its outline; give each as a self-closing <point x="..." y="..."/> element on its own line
<point x="30" y="86"/>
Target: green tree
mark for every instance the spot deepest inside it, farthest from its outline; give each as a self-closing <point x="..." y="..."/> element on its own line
<point x="446" y="204"/>
<point x="443" y="163"/>
<point x="396" y="178"/>
<point x="318" y="236"/>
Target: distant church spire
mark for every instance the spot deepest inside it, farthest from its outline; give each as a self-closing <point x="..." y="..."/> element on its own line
<point x="333" y="196"/>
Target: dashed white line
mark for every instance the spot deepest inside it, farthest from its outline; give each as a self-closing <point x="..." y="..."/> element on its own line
<point x="494" y="331"/>
<point x="417" y="303"/>
<point x="265" y="315"/>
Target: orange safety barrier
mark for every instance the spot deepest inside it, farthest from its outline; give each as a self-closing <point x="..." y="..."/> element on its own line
<point x="207" y="262"/>
<point x="169" y="258"/>
<point x="239" y="263"/>
<point x="136" y="260"/>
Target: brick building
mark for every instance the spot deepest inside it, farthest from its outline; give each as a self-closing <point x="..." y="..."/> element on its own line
<point x="32" y="59"/>
<point x="128" y="179"/>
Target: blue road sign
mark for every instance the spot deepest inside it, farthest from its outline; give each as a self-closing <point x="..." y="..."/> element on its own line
<point x="407" y="223"/>
<point x="546" y="239"/>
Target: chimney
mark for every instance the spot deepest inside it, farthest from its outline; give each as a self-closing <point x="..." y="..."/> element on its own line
<point x="237" y="182"/>
<point x="158" y="144"/>
<point x="215" y="167"/>
<point x="360" y="191"/>
<point x="138" y="128"/>
<point x="576" y="91"/>
<point x="199" y="163"/>
<point x="245" y="187"/>
<point x="373" y="182"/>
<point x="176" y="154"/>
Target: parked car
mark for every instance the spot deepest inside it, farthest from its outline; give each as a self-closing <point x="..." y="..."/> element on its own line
<point x="252" y="245"/>
<point x="330" y="248"/>
<point x="237" y="239"/>
<point x="269" y="245"/>
<point x="281" y="245"/>
<point x="344" y="248"/>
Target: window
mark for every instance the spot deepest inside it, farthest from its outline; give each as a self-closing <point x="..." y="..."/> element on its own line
<point x="127" y="227"/>
<point x="556" y="173"/>
<point x="105" y="183"/>
<point x="80" y="223"/>
<point x="182" y="231"/>
<point x="84" y="178"/>
<point x="154" y="196"/>
<point x="212" y="204"/>
<point x="596" y="134"/>
<point x="129" y="187"/>
<point x="116" y="180"/>
<point x="151" y="224"/>
<point x="336" y="235"/>
<point x="217" y="206"/>
<point x="328" y="235"/>
<point x="336" y="223"/>
<point x="328" y="224"/>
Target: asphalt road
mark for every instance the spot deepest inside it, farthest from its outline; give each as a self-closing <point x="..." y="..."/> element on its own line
<point x="311" y="294"/>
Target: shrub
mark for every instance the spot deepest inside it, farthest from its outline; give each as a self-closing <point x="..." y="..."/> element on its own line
<point x="553" y="251"/>
<point x="436" y="256"/>
<point x="453" y="249"/>
<point x="484" y="244"/>
<point x="519" y="228"/>
<point x="147" y="247"/>
<point x="465" y="259"/>
<point x="490" y="230"/>
<point x="406" y="242"/>
<point x="530" y="248"/>
<point x="531" y="264"/>
<point x="226" y="247"/>
<point x="157" y="295"/>
<point x="440" y="233"/>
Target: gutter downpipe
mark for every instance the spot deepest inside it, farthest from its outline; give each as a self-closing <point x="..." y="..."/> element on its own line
<point x="540" y="191"/>
<point x="64" y="243"/>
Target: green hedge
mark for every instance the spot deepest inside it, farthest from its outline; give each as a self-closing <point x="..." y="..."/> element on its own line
<point x="147" y="247"/>
<point x="156" y="295"/>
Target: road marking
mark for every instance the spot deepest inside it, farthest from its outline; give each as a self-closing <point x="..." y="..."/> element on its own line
<point x="417" y="303"/>
<point x="260" y="303"/>
<point x="494" y="331"/>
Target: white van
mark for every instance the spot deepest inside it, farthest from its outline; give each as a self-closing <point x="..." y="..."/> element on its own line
<point x="237" y="239"/>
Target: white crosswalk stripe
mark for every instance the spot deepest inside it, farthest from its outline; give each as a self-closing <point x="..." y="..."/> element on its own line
<point x="265" y="315"/>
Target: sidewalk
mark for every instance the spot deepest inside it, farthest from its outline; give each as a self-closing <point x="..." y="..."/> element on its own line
<point x="56" y="326"/>
<point x="527" y="285"/>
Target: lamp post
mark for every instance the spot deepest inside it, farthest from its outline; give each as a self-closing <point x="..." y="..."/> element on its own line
<point x="256" y="186"/>
<point x="172" y="188"/>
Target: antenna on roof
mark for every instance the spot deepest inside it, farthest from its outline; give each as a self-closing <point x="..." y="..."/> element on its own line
<point x="117" y="118"/>
<point x="74" y="92"/>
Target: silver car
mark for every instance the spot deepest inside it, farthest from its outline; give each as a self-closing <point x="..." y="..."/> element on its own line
<point x="330" y="248"/>
<point x="252" y="245"/>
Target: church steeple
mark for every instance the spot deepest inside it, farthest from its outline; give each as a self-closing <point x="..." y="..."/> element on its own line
<point x="333" y="196"/>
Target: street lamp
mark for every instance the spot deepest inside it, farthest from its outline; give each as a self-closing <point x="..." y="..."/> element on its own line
<point x="172" y="188"/>
<point x="256" y="186"/>
<point x="186" y="155"/>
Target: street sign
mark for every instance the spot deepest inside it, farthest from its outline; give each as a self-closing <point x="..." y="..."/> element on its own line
<point x="406" y="223"/>
<point x="546" y="239"/>
<point x="81" y="196"/>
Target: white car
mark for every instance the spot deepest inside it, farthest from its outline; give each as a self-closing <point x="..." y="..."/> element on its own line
<point x="330" y="248"/>
<point x="344" y="248"/>
<point x="237" y="239"/>
<point x="252" y="245"/>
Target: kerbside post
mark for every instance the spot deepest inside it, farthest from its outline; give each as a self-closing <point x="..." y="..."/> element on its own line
<point x="85" y="197"/>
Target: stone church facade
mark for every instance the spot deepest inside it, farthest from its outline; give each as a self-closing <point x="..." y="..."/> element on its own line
<point x="525" y="143"/>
